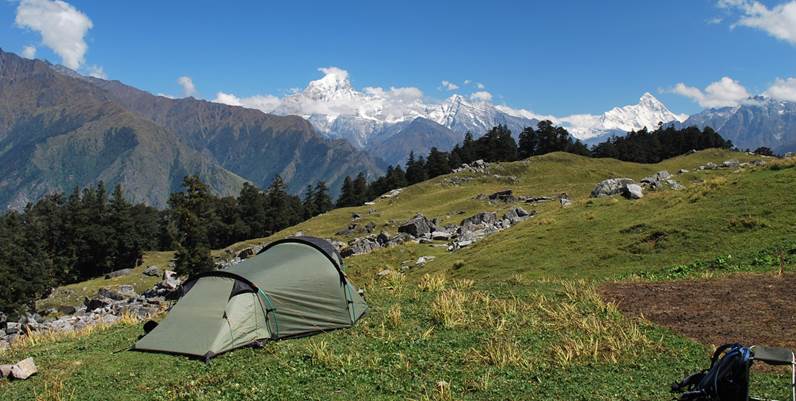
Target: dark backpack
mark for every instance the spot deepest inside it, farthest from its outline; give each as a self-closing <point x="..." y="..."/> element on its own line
<point x="727" y="379"/>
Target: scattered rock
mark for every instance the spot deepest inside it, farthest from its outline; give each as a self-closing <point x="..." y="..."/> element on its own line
<point x="170" y="280"/>
<point x="153" y="271"/>
<point x="440" y="235"/>
<point x="564" y="200"/>
<point x="5" y="370"/>
<point x="656" y="181"/>
<point x="118" y="273"/>
<point x="384" y="273"/>
<point x="675" y="185"/>
<point x="392" y="193"/>
<point x="96" y="303"/>
<point x="516" y="215"/>
<point x="610" y="187"/>
<point x="360" y="246"/>
<point x="355" y="216"/>
<point x="682" y="171"/>
<point x="13" y="327"/>
<point x="732" y="163"/>
<point x="24" y="369"/>
<point x="246" y="253"/>
<point x="478" y="166"/>
<point x="417" y="226"/>
<point x="758" y="162"/>
<point x="370" y="227"/>
<point x="421" y="261"/>
<point x="480" y="218"/>
<point x="503" y="196"/>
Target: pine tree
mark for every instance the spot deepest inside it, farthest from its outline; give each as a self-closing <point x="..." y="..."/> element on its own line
<point x="347" y="197"/>
<point x="360" y="189"/>
<point x="415" y="169"/>
<point x="437" y="163"/>
<point x="321" y="199"/>
<point x="126" y="247"/>
<point x="192" y="210"/>
<point x="308" y="202"/>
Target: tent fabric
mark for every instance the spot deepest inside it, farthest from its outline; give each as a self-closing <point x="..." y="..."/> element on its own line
<point x="292" y="288"/>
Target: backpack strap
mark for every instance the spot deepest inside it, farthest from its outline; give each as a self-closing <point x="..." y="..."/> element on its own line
<point x="720" y="350"/>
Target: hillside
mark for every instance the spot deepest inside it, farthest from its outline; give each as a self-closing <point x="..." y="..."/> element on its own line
<point x="517" y="315"/>
<point x="60" y="130"/>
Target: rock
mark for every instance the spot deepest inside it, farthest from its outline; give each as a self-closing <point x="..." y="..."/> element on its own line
<point x="360" y="246"/>
<point x="24" y="369"/>
<point x="63" y="325"/>
<point x="170" y="280"/>
<point x="299" y="234"/>
<point x="370" y="203"/>
<point x="383" y="238"/>
<point x="421" y="261"/>
<point x="13" y="327"/>
<point x="64" y="310"/>
<point x="657" y="180"/>
<point x="246" y="253"/>
<point x="610" y="187"/>
<point x="732" y="163"/>
<point x="535" y="199"/>
<point x="480" y="218"/>
<point x="503" y="196"/>
<point x="96" y="303"/>
<point x="417" y="226"/>
<point x="384" y="273"/>
<point x="5" y="370"/>
<point x="153" y="271"/>
<point x="355" y="216"/>
<point x="675" y="185"/>
<point x="682" y="171"/>
<point x="392" y="193"/>
<point x="122" y="293"/>
<point x="515" y="216"/>
<point x="710" y="166"/>
<point x="440" y="235"/>
<point x="118" y="273"/>
<point x="564" y="200"/>
<point x="633" y="191"/>
<point x="370" y="227"/>
<point x="754" y="163"/>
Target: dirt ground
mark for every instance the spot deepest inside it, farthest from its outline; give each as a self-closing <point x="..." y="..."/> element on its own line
<point x="749" y="309"/>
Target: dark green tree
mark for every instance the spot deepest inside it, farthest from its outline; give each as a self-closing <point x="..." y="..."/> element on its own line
<point x="192" y="209"/>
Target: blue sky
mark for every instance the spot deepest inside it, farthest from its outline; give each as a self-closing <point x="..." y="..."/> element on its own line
<point x="559" y="58"/>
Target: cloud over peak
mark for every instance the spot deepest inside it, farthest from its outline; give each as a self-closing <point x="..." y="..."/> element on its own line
<point x="722" y="93"/>
<point x="62" y="28"/>
<point x="778" y="21"/>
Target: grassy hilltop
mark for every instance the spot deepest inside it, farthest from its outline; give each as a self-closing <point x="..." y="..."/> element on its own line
<point x="518" y="315"/>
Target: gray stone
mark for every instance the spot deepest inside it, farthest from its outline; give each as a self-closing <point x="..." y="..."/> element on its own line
<point x="421" y="261"/>
<point x="503" y="196"/>
<point x="384" y="273"/>
<point x="732" y="163"/>
<point x="610" y="187"/>
<point x="682" y="171"/>
<point x="754" y="163"/>
<point x="480" y="218"/>
<point x="118" y="294"/>
<point x="5" y="370"/>
<point x="355" y="216"/>
<point x="710" y="166"/>
<point x="24" y="369"/>
<point x="246" y="253"/>
<point x="417" y="226"/>
<point x="13" y="327"/>
<point x="370" y="227"/>
<point x="440" y="235"/>
<point x="153" y="271"/>
<point x="516" y="215"/>
<point x="118" y="273"/>
<point x="170" y="280"/>
<point x="360" y="246"/>
<point x="633" y="191"/>
<point x="383" y="238"/>
<point x="656" y="181"/>
<point x="96" y="303"/>
<point x="675" y="185"/>
<point x="564" y="200"/>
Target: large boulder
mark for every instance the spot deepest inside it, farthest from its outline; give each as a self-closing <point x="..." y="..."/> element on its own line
<point x="656" y="180"/>
<point x="418" y="226"/>
<point x="610" y="187"/>
<point x="24" y="369"/>
<point x="516" y="215"/>
<point x="153" y="271"/>
<point x="633" y="191"/>
<point x="120" y="293"/>
<point x="170" y="280"/>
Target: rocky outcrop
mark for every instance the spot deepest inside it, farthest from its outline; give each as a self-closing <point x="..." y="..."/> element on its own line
<point x="418" y="226"/>
<point x="657" y="181"/>
<point x="478" y="166"/>
<point x="610" y="187"/>
<point x="633" y="191"/>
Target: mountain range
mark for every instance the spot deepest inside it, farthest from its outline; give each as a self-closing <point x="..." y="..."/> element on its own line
<point x="758" y="121"/>
<point x="60" y="130"/>
<point x="389" y="124"/>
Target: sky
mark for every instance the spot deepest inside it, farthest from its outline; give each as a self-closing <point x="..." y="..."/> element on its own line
<point x="553" y="58"/>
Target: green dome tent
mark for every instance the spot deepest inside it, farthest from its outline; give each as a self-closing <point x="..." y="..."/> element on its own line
<point x="293" y="287"/>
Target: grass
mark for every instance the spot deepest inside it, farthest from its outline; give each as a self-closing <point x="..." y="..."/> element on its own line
<point x="515" y="316"/>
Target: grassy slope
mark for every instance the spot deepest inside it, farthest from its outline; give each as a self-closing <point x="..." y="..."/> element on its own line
<point x="521" y="332"/>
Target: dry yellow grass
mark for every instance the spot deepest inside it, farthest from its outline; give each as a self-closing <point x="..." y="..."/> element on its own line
<point x="432" y="282"/>
<point x="448" y="308"/>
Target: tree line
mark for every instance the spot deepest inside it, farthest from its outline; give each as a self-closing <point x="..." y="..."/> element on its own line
<point x="63" y="239"/>
<point x="498" y="145"/>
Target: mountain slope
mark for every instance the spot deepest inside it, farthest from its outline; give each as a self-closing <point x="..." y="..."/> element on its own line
<point x="419" y="135"/>
<point x="58" y="132"/>
<point x="759" y="121"/>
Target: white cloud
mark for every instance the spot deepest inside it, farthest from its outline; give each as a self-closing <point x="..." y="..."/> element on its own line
<point x="188" y="88"/>
<point x="449" y="85"/>
<point x="722" y="93"/>
<point x="62" y="28"/>
<point x="334" y="71"/>
<point x="779" y="21"/>
<point x="97" y="72"/>
<point x="480" y="85"/>
<point x="524" y="113"/>
<point x="29" y="52"/>
<point x="467" y="82"/>
<point x="783" y="89"/>
<point x="714" y="20"/>
<point x="264" y="103"/>
<point x="483" y="96"/>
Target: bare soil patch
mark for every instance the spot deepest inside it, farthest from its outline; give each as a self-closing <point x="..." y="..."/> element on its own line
<point x="749" y="308"/>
